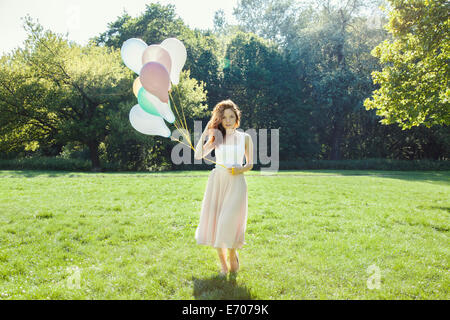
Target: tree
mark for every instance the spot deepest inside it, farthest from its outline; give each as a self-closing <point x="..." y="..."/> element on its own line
<point x="270" y="19"/>
<point x="264" y="86"/>
<point x="59" y="92"/>
<point x="131" y="150"/>
<point x="330" y="59"/>
<point x="322" y="43"/>
<point x="413" y="85"/>
<point x="155" y="24"/>
<point x="220" y="23"/>
<point x="159" y="22"/>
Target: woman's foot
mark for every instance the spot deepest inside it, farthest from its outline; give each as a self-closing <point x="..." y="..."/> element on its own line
<point x="223" y="261"/>
<point x="223" y="271"/>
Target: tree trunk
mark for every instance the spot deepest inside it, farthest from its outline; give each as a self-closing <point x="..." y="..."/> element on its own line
<point x="93" y="150"/>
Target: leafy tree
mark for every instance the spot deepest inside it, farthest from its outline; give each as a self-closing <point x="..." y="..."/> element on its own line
<point x="220" y="23"/>
<point x="328" y="44"/>
<point x="262" y="83"/>
<point x="330" y="59"/>
<point x="271" y="19"/>
<point x="57" y="91"/>
<point x="307" y="72"/>
<point x="159" y="22"/>
<point x="131" y="150"/>
<point x="155" y="24"/>
<point x="414" y="81"/>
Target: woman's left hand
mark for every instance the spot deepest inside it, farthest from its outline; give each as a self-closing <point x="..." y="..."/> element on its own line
<point x="235" y="170"/>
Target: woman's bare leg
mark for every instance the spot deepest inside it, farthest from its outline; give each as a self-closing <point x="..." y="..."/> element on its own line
<point x="223" y="258"/>
<point x="233" y="261"/>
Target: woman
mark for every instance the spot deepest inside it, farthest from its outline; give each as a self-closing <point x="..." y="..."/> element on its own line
<point x="223" y="217"/>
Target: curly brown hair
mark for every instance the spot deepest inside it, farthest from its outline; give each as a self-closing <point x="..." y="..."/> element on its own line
<point x="217" y="116"/>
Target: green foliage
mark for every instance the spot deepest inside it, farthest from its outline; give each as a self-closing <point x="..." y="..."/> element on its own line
<point x="203" y="62"/>
<point x="131" y="150"/>
<point x="272" y="19"/>
<point x="262" y="83"/>
<point x="46" y="163"/>
<point x="124" y="146"/>
<point x="367" y="164"/>
<point x="188" y="99"/>
<point x="305" y="70"/>
<point x="414" y="81"/>
<point x="64" y="93"/>
<point x="155" y="24"/>
<point x="59" y="92"/>
<point x="159" y="22"/>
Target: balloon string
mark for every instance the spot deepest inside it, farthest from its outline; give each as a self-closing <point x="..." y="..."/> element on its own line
<point x="174" y="104"/>
<point x="182" y="110"/>
<point x="187" y="137"/>
<point x="194" y="150"/>
<point x="172" y="138"/>
<point x="182" y="132"/>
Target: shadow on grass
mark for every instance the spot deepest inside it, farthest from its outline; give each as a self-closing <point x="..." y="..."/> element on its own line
<point x="38" y="173"/>
<point x="433" y="177"/>
<point x="87" y="174"/>
<point x="220" y="288"/>
<point x="447" y="209"/>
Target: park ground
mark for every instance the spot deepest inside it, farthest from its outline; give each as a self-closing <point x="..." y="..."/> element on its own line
<point x="314" y="234"/>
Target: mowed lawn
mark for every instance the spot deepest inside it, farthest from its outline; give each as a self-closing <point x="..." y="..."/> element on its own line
<point x="317" y="234"/>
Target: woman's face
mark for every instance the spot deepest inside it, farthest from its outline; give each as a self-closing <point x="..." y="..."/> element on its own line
<point x="229" y="119"/>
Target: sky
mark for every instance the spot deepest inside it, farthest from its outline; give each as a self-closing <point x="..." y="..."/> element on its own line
<point x="84" y="19"/>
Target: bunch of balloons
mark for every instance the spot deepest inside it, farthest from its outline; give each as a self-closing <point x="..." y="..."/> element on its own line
<point x="157" y="66"/>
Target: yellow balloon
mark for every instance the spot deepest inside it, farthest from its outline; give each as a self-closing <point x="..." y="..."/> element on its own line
<point x="136" y="86"/>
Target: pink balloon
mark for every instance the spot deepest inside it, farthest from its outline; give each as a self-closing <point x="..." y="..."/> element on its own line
<point x="159" y="54"/>
<point x="156" y="79"/>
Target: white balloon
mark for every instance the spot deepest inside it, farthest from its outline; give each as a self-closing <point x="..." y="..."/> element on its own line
<point x="131" y="53"/>
<point x="163" y="108"/>
<point x="147" y="123"/>
<point x="178" y="54"/>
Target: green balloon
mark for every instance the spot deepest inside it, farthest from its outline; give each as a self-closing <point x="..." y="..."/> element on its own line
<point x="145" y="103"/>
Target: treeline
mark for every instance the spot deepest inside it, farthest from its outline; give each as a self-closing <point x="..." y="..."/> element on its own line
<point x="303" y="69"/>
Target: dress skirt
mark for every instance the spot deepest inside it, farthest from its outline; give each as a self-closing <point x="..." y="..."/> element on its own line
<point x="223" y="217"/>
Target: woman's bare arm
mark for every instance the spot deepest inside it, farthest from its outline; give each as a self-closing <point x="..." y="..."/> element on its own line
<point x="201" y="150"/>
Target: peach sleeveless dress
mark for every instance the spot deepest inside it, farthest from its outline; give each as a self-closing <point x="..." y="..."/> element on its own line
<point x="223" y="217"/>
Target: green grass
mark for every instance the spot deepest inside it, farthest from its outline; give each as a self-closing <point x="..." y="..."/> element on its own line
<point x="310" y="235"/>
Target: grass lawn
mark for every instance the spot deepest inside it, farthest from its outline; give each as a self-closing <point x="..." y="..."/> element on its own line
<point x="318" y="234"/>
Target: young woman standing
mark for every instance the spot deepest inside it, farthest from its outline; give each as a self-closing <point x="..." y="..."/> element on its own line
<point x="223" y="216"/>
